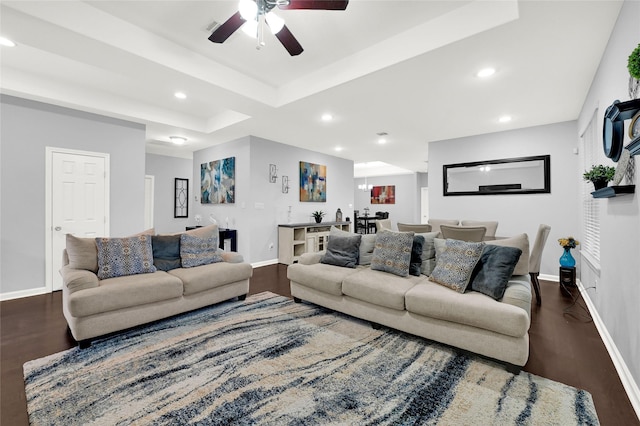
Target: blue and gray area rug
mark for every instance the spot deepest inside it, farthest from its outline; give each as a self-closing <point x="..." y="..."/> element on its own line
<point x="269" y="361"/>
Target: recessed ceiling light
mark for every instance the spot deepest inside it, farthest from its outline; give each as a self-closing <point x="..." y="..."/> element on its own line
<point x="180" y="95"/>
<point x="338" y="148"/>
<point x="178" y="140"/>
<point x="6" y="42"/>
<point x="505" y="119"/>
<point x="382" y="141"/>
<point x="327" y="117"/>
<point x="486" y="72"/>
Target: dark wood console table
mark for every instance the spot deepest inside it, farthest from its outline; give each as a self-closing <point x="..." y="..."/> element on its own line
<point x="225" y="234"/>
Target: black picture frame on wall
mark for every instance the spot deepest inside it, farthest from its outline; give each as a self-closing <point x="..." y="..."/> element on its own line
<point x="181" y="198"/>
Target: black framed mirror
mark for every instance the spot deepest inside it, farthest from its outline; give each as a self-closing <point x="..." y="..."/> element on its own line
<point x="524" y="175"/>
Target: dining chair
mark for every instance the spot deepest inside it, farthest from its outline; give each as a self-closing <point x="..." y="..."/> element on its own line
<point x="463" y="233"/>
<point x="414" y="227"/>
<point x="435" y="223"/>
<point x="490" y="225"/>
<point x="383" y="224"/>
<point x="535" y="258"/>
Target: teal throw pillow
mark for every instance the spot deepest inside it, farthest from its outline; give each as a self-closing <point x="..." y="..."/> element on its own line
<point x="166" y="252"/>
<point x="342" y="251"/>
<point x="456" y="263"/>
<point x="494" y="269"/>
<point x="124" y="256"/>
<point x="196" y="251"/>
<point x="392" y="252"/>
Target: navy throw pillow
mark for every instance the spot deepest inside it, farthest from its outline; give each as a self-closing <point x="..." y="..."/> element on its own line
<point x="416" y="255"/>
<point x="493" y="270"/>
<point x="166" y="252"/>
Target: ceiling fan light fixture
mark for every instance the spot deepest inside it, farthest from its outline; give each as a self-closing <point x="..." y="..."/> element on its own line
<point x="250" y="28"/>
<point x="248" y="10"/>
<point x="275" y="22"/>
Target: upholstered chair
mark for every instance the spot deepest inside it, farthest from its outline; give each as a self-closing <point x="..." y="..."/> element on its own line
<point x="535" y="259"/>
<point x="414" y="227"/>
<point x="463" y="233"/>
<point x="490" y="225"/>
<point x="383" y="224"/>
<point x="435" y="223"/>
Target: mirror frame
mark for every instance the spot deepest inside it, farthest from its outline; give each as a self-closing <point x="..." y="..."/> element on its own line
<point x="546" y="159"/>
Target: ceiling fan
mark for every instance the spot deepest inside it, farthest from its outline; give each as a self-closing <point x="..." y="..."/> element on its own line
<point x="253" y="14"/>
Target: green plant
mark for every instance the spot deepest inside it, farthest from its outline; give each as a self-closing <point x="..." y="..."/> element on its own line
<point x="600" y="172"/>
<point x="634" y="63"/>
<point x="318" y="214"/>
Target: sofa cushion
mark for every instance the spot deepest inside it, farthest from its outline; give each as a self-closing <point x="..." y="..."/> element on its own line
<point x="379" y="288"/>
<point x="475" y="309"/>
<point x="196" y="251"/>
<point x="124" y="256"/>
<point x="320" y="276"/>
<point x="342" y="251"/>
<point x="166" y="252"/>
<point x="125" y="292"/>
<point x="206" y="277"/>
<point x="392" y="252"/>
<point x="366" y="244"/>
<point x="416" y="255"/>
<point x="494" y="269"/>
<point x="519" y="241"/>
<point x="428" y="252"/>
<point x="456" y="263"/>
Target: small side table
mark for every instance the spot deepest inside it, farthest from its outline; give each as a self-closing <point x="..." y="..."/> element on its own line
<point x="568" y="276"/>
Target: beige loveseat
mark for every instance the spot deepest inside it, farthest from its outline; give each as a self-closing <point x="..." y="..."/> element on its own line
<point x="472" y="321"/>
<point x="95" y="307"/>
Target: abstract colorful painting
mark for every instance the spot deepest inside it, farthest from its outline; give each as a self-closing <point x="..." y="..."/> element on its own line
<point x="383" y="194"/>
<point x="313" y="182"/>
<point x="218" y="181"/>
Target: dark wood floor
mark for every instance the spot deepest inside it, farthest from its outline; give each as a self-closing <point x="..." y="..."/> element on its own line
<point x="565" y="346"/>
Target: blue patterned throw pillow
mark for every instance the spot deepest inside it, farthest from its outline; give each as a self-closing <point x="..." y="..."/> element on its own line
<point x="455" y="264"/>
<point x="124" y="256"/>
<point x="392" y="252"/>
<point x="195" y="251"/>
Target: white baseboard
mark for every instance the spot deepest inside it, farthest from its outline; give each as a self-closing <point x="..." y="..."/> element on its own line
<point x="265" y="263"/>
<point x="628" y="382"/>
<point x="23" y="293"/>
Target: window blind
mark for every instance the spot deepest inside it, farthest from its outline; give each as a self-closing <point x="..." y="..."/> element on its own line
<point x="590" y="207"/>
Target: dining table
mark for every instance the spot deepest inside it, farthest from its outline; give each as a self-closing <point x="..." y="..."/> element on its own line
<point x="366" y="219"/>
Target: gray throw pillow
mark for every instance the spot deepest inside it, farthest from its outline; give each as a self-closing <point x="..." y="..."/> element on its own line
<point x="392" y="252"/>
<point x="342" y="251"/>
<point x="416" y="255"/>
<point x="494" y="269"/>
<point x="196" y="251"/>
<point x="456" y="263"/>
<point x="124" y="256"/>
<point x="166" y="252"/>
<point x="428" y="252"/>
<point x="366" y="244"/>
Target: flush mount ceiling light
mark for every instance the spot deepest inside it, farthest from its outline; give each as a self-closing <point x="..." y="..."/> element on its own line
<point x="180" y="95"/>
<point x="381" y="137"/>
<point x="6" y="42"/>
<point x="486" y="72"/>
<point x="505" y="119"/>
<point x="178" y="140"/>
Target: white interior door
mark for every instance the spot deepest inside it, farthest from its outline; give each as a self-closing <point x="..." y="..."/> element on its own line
<point x="424" y="205"/>
<point x="78" y="202"/>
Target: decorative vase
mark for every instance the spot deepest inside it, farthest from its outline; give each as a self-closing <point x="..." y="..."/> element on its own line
<point x="599" y="183"/>
<point x="318" y="219"/>
<point x="634" y="88"/>
<point x="567" y="260"/>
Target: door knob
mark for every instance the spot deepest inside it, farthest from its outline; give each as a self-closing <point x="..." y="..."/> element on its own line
<point x="58" y="228"/>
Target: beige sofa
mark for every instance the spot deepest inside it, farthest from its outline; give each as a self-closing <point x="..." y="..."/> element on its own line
<point x="497" y="329"/>
<point x="95" y="307"/>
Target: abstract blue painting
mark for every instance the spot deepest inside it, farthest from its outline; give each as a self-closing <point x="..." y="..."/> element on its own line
<point x="218" y="181"/>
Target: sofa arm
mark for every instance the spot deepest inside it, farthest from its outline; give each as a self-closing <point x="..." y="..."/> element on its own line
<point x="518" y="293"/>
<point x="311" y="258"/>
<point x="78" y="279"/>
<point x="231" y="256"/>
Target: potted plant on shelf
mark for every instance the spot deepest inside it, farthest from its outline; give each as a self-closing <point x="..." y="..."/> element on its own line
<point x="318" y="215"/>
<point x="633" y="65"/>
<point x="599" y="175"/>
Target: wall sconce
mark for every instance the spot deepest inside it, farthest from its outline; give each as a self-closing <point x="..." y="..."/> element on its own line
<point x="273" y="173"/>
<point x="285" y="184"/>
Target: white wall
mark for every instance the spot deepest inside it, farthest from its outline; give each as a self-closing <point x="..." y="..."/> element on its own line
<point x="260" y="205"/>
<point x="617" y="293"/>
<point x="27" y="128"/>
<point x="516" y="213"/>
<point x="407" y="206"/>
<point x="165" y="169"/>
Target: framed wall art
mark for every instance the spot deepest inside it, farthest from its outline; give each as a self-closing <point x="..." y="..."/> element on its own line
<point x="383" y="194"/>
<point x="313" y="182"/>
<point x="218" y="181"/>
<point x="181" y="197"/>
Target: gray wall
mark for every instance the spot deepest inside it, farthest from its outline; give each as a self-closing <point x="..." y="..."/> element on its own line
<point x="27" y="128"/>
<point x="165" y="169"/>
<point x="260" y="205"/>
<point x="617" y="282"/>
<point x="407" y="206"/>
<point x="516" y="213"/>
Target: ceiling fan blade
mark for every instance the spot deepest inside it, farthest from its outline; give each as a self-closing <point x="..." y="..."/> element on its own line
<point x="289" y="41"/>
<point x="316" y="4"/>
<point x="225" y="30"/>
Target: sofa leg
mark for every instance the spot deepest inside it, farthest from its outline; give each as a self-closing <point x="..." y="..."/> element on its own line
<point x="375" y="325"/>
<point x="242" y="297"/>
<point x="513" y="369"/>
<point x="297" y="299"/>
<point x="84" y="344"/>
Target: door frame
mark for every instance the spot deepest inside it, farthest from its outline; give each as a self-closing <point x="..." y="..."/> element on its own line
<point x="48" y="228"/>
